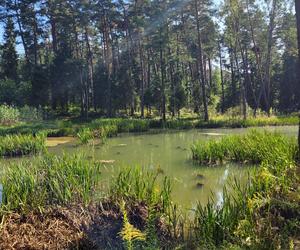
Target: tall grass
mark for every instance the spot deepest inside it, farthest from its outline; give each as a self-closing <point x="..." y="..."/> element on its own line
<point x="19" y="145"/>
<point x="215" y="224"/>
<point x="85" y="135"/>
<point x="49" y="181"/>
<point x="255" y="148"/>
<point x="9" y="115"/>
<point x="229" y="122"/>
<point x="249" y="216"/>
<point x="123" y="125"/>
<point x="140" y="185"/>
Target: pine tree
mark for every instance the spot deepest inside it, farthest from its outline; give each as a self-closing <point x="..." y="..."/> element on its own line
<point x="9" y="60"/>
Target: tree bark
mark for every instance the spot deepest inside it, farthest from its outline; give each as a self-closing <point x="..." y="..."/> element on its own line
<point x="269" y="56"/>
<point x="162" y="69"/>
<point x="222" y="79"/>
<point x="200" y="64"/>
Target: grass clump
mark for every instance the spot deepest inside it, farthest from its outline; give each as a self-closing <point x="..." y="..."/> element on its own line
<point x="20" y="145"/>
<point x="51" y="180"/>
<point x="122" y="125"/>
<point x="255" y="148"/>
<point x="238" y="122"/>
<point x="85" y="135"/>
<point x="139" y="185"/>
<point x="9" y="115"/>
<point x="264" y="213"/>
<point x="144" y="191"/>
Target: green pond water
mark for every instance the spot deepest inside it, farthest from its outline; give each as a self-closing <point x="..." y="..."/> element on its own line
<point x="170" y="153"/>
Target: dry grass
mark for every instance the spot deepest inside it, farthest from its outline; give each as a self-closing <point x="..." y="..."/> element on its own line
<point x="58" y="228"/>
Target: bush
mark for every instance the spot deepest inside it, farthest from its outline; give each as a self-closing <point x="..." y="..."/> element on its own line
<point x="30" y="114"/>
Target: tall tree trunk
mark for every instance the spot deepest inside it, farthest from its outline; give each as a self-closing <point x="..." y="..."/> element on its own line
<point x="90" y="68"/>
<point x="21" y="30"/>
<point x="143" y="76"/>
<point x="269" y="56"/>
<point x="163" y="94"/>
<point x="222" y="79"/>
<point x="200" y="64"/>
<point x="256" y="51"/>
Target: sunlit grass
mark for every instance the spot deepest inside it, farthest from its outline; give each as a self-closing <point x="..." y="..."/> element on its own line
<point x="255" y="148"/>
<point x="49" y="180"/>
<point x="19" y="145"/>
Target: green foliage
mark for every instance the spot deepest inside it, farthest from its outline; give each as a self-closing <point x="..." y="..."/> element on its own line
<point x="30" y="114"/>
<point x="48" y="181"/>
<point x="135" y="185"/>
<point x="8" y="115"/>
<point x="237" y="122"/>
<point x="85" y="135"/>
<point x="214" y="224"/>
<point x="19" y="145"/>
<point x="123" y="125"/>
<point x="8" y="91"/>
<point x="129" y="233"/>
<point x="254" y="147"/>
<point x="248" y="216"/>
<point x="9" y="57"/>
<point x="140" y="185"/>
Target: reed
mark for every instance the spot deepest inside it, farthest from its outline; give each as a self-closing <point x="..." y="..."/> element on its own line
<point x="51" y="180"/>
<point x="255" y="148"/>
<point x="140" y="185"/>
<point x="19" y="145"/>
<point x="248" y="216"/>
<point x="85" y="135"/>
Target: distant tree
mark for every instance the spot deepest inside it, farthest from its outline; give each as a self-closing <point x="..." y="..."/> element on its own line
<point x="8" y="91"/>
<point x="9" y="60"/>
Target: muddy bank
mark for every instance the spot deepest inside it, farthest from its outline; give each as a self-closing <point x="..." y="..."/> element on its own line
<point x="76" y="227"/>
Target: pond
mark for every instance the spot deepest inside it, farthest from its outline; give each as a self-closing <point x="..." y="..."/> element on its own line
<point x="169" y="153"/>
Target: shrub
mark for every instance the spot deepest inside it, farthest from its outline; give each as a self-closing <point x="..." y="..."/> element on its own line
<point x="30" y="114"/>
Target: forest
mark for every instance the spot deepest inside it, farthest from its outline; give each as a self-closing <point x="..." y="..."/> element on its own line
<point x="150" y="124"/>
<point x="132" y="57"/>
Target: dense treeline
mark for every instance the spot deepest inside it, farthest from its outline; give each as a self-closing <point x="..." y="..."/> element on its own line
<point x="139" y="56"/>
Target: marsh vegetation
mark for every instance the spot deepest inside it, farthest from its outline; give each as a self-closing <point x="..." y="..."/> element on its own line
<point x="149" y="124"/>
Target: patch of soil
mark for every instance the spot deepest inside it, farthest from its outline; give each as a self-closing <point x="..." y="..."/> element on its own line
<point x="62" y="228"/>
<point x="73" y="227"/>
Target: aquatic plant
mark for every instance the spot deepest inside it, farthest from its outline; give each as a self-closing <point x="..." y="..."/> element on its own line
<point x="57" y="128"/>
<point x="249" y="216"/>
<point x="49" y="180"/>
<point x="255" y="148"/>
<point x="85" y="135"/>
<point x="19" y="145"/>
<point x="140" y="185"/>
